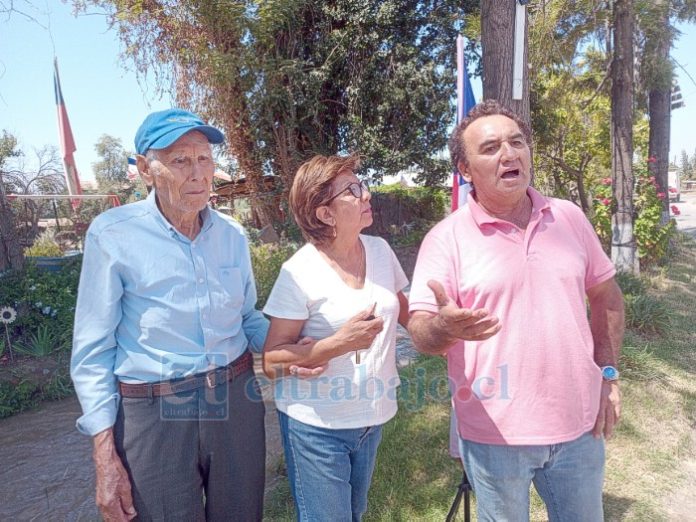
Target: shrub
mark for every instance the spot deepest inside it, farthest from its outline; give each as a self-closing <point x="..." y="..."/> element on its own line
<point x="45" y="245"/>
<point x="267" y="259"/>
<point x="42" y="298"/>
<point x="647" y="314"/>
<point x="651" y="236"/>
<point x="16" y="397"/>
<point x="630" y="284"/>
<point x="41" y="343"/>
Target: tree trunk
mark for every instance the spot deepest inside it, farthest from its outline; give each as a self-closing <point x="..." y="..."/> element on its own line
<point x="659" y="110"/>
<point x="241" y="144"/>
<point x="497" y="42"/>
<point x="658" y="145"/>
<point x="623" y="246"/>
<point x="11" y="254"/>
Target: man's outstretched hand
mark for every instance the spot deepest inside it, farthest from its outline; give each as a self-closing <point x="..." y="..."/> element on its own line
<point x="462" y="323"/>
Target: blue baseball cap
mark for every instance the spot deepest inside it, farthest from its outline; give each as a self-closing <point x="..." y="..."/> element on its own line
<point x="161" y="129"/>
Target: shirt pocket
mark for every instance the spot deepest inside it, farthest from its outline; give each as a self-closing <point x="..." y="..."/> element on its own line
<point x="227" y="297"/>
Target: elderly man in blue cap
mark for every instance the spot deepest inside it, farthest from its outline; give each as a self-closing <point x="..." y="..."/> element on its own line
<point x="164" y="320"/>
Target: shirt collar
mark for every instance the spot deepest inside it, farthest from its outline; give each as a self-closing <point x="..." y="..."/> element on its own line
<point x="539" y="203"/>
<point x="154" y="210"/>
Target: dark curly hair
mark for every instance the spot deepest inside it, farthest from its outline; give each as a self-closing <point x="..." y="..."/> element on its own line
<point x="457" y="149"/>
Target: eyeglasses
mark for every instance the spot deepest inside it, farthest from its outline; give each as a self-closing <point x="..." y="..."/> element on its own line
<point x="356" y="190"/>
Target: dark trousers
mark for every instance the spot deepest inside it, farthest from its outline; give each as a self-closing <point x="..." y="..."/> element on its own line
<point x="199" y="455"/>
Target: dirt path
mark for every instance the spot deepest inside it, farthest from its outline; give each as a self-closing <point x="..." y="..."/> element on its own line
<point x="46" y="470"/>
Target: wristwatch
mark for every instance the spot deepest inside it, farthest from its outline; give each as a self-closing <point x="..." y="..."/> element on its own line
<point x="609" y="373"/>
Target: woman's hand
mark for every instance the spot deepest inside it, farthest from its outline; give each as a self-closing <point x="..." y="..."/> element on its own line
<point x="359" y="331"/>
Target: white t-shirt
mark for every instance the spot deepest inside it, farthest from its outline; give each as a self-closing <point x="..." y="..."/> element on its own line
<point x="347" y="395"/>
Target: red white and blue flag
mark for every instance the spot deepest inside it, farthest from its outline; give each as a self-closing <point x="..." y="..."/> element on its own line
<point x="465" y="102"/>
<point x="132" y="173"/>
<point x="67" y="143"/>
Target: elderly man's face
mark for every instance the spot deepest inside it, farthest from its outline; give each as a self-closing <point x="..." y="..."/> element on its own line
<point x="499" y="159"/>
<point x="182" y="174"/>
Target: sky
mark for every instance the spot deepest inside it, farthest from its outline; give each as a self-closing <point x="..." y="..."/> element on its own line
<point x="103" y="97"/>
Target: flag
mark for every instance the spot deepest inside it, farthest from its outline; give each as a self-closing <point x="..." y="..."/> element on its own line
<point x="465" y="102"/>
<point x="67" y="143"/>
<point x="132" y="173"/>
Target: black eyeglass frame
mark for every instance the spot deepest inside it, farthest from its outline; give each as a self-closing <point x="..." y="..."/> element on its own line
<point x="362" y="186"/>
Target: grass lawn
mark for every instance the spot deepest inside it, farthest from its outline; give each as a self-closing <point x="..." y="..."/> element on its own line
<point x="651" y="460"/>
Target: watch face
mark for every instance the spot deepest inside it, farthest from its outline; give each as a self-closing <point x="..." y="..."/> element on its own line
<point x="610" y="373"/>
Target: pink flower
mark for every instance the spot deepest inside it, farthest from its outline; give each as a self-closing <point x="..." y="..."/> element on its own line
<point x="606" y="201"/>
<point x="606" y="181"/>
<point x="675" y="210"/>
<point x="661" y="195"/>
<point x="652" y="159"/>
<point x="651" y="179"/>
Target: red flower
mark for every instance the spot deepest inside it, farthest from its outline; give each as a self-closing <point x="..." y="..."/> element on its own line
<point x="606" y="201"/>
<point x="652" y="159"/>
<point x="675" y="210"/>
<point x="606" y="181"/>
<point x="661" y="195"/>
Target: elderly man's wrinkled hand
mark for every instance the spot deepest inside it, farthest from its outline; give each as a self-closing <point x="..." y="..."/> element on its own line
<point x="609" y="410"/>
<point x="113" y="495"/>
<point x="462" y="323"/>
<point x="304" y="372"/>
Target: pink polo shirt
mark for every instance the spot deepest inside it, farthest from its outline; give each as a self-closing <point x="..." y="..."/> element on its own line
<point x="535" y="381"/>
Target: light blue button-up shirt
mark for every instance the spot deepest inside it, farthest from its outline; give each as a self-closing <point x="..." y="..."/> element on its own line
<point x="154" y="305"/>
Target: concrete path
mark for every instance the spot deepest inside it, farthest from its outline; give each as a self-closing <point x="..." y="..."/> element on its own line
<point x="686" y="220"/>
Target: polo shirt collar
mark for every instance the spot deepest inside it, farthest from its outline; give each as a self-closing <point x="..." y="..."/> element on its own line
<point x="539" y="204"/>
<point x="154" y="210"/>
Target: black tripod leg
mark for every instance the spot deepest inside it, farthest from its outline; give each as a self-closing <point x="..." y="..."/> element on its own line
<point x="455" y="505"/>
<point x="464" y="489"/>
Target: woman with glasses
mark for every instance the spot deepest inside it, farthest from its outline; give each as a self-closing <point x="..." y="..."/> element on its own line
<point x="332" y="341"/>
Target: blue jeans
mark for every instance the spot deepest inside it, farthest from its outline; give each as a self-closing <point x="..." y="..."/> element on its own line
<point x="568" y="477"/>
<point x="329" y="470"/>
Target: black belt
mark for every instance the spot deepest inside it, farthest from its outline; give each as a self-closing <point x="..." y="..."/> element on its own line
<point x="210" y="379"/>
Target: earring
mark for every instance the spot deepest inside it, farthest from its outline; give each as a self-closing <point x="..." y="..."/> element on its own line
<point x="334" y="230"/>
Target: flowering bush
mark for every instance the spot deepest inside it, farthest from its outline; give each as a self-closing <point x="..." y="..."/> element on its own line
<point x="602" y="212"/>
<point x="652" y="238"/>
<point x="42" y="300"/>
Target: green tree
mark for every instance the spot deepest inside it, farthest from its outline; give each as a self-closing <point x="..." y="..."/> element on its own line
<point x="111" y="171"/>
<point x="288" y="79"/>
<point x="11" y="255"/>
<point x="571" y="128"/>
<point x="685" y="165"/>
<point x="656" y="34"/>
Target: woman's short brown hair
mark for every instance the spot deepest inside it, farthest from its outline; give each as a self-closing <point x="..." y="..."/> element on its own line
<point x="311" y="189"/>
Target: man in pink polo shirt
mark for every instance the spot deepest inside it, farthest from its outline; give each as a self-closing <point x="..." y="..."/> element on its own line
<point x="500" y="287"/>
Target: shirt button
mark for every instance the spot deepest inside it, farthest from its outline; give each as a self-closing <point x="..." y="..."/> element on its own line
<point x="200" y="280"/>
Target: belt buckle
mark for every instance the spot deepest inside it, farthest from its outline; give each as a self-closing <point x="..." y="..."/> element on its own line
<point x="211" y="380"/>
